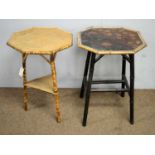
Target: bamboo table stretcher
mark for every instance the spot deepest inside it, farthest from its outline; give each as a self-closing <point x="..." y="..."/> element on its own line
<point x="109" y="41"/>
<point x="41" y="41"/>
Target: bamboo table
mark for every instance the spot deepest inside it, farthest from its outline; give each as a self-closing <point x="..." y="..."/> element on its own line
<point x="41" y="41"/>
<point x="109" y="41"/>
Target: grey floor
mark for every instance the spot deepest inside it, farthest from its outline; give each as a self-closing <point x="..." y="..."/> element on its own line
<point x="108" y="113"/>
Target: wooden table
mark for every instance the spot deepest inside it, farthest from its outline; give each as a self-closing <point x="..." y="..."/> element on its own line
<point x="109" y="41"/>
<point x="41" y="41"/>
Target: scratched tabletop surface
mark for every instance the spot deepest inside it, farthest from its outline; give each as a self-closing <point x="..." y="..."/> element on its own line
<point x="111" y="40"/>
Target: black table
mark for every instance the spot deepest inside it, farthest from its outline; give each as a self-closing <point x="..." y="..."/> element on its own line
<point x="109" y="41"/>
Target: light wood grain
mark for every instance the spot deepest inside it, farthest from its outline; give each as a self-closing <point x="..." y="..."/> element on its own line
<point x="55" y="88"/>
<point x="24" y="57"/>
<point x="40" y="40"/>
<point x="43" y="83"/>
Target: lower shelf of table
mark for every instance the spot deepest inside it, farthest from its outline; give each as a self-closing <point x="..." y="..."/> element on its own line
<point x="43" y="83"/>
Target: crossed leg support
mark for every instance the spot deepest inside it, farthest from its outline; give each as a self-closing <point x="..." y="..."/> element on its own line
<point x="86" y="83"/>
<point x="54" y="83"/>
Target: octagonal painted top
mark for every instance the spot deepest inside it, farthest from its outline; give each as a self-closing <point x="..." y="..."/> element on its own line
<point x="111" y="41"/>
<point x="40" y="40"/>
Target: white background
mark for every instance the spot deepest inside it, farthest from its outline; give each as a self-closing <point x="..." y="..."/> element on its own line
<point x="70" y="62"/>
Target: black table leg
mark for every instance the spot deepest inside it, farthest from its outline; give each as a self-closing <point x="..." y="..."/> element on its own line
<point x="123" y="74"/>
<point x="132" y="89"/>
<point x="85" y="74"/>
<point x="88" y="88"/>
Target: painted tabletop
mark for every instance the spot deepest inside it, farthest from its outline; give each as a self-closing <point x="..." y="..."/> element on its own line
<point x="40" y="40"/>
<point x="111" y="41"/>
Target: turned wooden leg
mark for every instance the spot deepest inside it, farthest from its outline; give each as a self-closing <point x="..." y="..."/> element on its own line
<point x="24" y="57"/>
<point x="55" y="89"/>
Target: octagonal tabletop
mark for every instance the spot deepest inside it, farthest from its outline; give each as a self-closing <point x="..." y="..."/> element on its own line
<point x="40" y="40"/>
<point x="111" y="41"/>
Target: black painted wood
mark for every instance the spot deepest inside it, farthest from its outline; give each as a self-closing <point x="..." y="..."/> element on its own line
<point x="123" y="74"/>
<point x="85" y="74"/>
<point x="125" y="87"/>
<point x="88" y="88"/>
<point x="132" y="89"/>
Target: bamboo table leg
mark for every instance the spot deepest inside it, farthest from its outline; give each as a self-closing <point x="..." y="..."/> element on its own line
<point x="85" y="74"/>
<point x="88" y="88"/>
<point x="55" y="89"/>
<point x="132" y="71"/>
<point x="24" y="57"/>
<point x="123" y="74"/>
